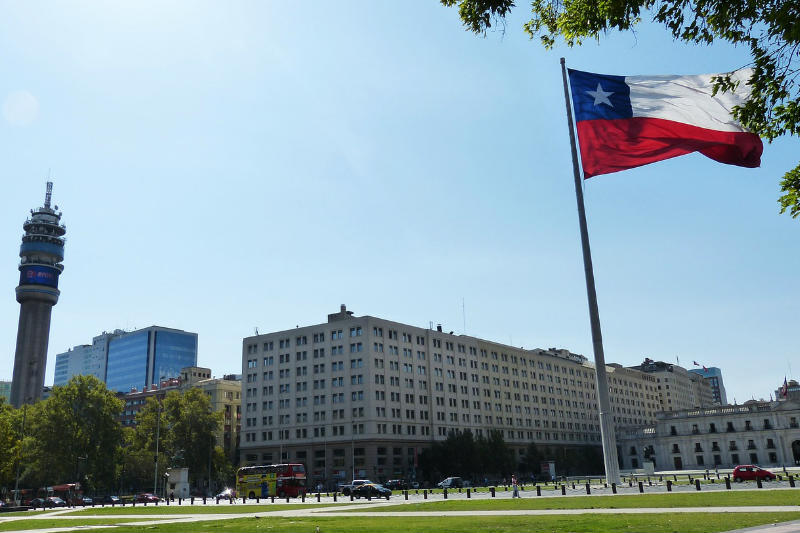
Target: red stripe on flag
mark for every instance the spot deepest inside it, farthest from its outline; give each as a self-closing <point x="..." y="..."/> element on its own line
<point x="613" y="145"/>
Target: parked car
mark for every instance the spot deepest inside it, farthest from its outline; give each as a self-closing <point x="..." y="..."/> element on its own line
<point x="84" y="500"/>
<point x="396" y="484"/>
<point x="226" y="494"/>
<point x="372" y="490"/>
<point x="346" y="489"/>
<point x="751" y="472"/>
<point x="451" y="483"/>
<point x="49" y="502"/>
<point x="112" y="500"/>
<point x="146" y="497"/>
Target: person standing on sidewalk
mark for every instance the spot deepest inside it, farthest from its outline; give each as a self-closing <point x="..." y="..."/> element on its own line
<point x="514" y="486"/>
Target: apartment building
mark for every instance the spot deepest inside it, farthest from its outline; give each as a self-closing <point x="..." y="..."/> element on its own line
<point x="362" y="396"/>
<point x="677" y="388"/>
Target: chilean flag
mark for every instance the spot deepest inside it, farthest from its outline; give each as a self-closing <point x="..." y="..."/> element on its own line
<point x="629" y="121"/>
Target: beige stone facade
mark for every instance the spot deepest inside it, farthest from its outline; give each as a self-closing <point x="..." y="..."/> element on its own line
<point x="362" y="396"/>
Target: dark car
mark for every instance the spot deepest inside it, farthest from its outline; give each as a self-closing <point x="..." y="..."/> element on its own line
<point x="84" y="500"/>
<point x="347" y="489"/>
<point x="751" y="472"/>
<point x="146" y="497"/>
<point x="371" y="490"/>
<point x="50" y="502"/>
<point x="113" y="500"/>
<point x="396" y="484"/>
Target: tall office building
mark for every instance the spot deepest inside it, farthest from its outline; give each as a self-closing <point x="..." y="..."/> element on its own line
<point x="364" y="396"/>
<point x="713" y="376"/>
<point x="5" y="389"/>
<point x="141" y="358"/>
<point x="41" y="253"/>
<point x="85" y="360"/>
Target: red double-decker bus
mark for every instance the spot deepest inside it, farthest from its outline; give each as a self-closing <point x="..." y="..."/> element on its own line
<point x="271" y="480"/>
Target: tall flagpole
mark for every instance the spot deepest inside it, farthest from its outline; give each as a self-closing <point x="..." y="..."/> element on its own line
<point x="606" y="416"/>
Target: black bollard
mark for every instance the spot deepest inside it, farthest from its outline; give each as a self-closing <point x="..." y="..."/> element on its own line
<point x="287" y="498"/>
<point x="758" y="482"/>
<point x="405" y="494"/>
<point x="669" y="485"/>
<point x="369" y="496"/>
<point x="387" y="497"/>
<point x="573" y="485"/>
<point x="204" y="500"/>
<point x="217" y="500"/>
<point x="302" y="498"/>
<point x="727" y="483"/>
<point x="538" y="490"/>
<point x="318" y="497"/>
<point x="334" y="496"/>
<point x="491" y="489"/>
<point x="273" y="498"/>
<point x="444" y="492"/>
<point x="613" y="488"/>
<point x="425" y="494"/>
<point x="791" y="480"/>
<point x="468" y="493"/>
<point x="588" y="489"/>
<point x="641" y="487"/>
<point x="351" y="495"/>
<point x="563" y="490"/>
<point x="697" y="483"/>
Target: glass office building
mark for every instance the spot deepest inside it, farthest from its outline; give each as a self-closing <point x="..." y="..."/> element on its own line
<point x="145" y="357"/>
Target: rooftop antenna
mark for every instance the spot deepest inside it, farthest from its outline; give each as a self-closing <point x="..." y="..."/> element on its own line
<point x="464" y="315"/>
<point x="49" y="193"/>
<point x="256" y="328"/>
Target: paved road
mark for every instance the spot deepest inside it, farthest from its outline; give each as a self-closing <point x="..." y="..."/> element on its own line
<point x="293" y="510"/>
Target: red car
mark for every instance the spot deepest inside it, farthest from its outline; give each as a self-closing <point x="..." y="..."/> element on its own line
<point x="146" y="497"/>
<point x="751" y="472"/>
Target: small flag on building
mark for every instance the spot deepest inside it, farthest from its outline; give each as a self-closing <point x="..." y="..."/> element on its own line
<point x="785" y="388"/>
<point x="629" y="121"/>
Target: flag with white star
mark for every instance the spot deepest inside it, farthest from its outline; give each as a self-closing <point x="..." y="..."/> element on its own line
<point x="628" y="121"/>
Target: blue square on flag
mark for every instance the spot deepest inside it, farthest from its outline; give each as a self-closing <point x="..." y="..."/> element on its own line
<point x="599" y="96"/>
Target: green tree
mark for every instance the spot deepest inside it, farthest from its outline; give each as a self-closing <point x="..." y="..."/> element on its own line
<point x="770" y="29"/>
<point x="10" y="443"/>
<point x="186" y="428"/>
<point x="76" y="434"/>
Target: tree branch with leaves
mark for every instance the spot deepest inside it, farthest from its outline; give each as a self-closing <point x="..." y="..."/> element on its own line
<point x="769" y="28"/>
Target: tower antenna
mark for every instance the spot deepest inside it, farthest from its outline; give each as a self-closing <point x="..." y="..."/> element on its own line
<point x="49" y="194"/>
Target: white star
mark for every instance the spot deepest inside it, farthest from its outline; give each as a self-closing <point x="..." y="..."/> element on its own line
<point x="600" y="96"/>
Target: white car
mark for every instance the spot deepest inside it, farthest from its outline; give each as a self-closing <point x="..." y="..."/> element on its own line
<point x="356" y="482"/>
<point x="451" y="483"/>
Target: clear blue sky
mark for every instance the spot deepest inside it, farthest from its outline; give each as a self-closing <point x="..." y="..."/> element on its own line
<point x="227" y="165"/>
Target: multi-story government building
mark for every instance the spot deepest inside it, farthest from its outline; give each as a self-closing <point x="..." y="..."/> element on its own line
<point x="363" y="395"/>
<point x="765" y="433"/>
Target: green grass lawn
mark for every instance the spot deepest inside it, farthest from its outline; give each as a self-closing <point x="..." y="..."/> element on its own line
<point x="696" y="499"/>
<point x="585" y="523"/>
<point x="193" y="509"/>
<point x="42" y="523"/>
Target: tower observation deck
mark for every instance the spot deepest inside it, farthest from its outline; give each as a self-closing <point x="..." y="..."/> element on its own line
<point x="41" y="254"/>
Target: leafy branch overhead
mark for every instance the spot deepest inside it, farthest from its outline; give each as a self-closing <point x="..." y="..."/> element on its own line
<point x="769" y="28"/>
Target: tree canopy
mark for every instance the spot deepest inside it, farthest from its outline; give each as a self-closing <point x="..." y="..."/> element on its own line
<point x="75" y="434"/>
<point x="186" y="426"/>
<point x="769" y="28"/>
